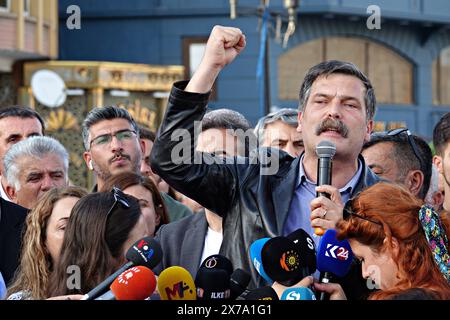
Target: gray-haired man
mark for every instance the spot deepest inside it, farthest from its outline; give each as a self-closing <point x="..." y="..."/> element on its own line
<point x="34" y="166"/>
<point x="279" y="130"/>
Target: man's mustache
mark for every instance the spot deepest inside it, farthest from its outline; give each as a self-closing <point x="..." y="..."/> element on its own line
<point x="334" y="125"/>
<point x="118" y="156"/>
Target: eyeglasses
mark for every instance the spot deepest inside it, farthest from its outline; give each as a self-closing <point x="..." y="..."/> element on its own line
<point x="119" y="197"/>
<point x="105" y="139"/>
<point x="348" y="211"/>
<point x="412" y="143"/>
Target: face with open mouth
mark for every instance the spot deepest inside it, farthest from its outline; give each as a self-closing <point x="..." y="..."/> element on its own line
<point x="336" y="111"/>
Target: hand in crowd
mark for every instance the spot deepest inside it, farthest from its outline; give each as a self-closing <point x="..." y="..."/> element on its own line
<point x="279" y="288"/>
<point x="333" y="289"/>
<point x="325" y="213"/>
<point x="67" y="297"/>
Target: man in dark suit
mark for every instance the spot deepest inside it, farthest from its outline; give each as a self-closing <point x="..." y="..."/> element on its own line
<point x="187" y="242"/>
<point x="12" y="219"/>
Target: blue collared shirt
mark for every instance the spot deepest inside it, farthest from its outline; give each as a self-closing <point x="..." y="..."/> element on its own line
<point x="305" y="191"/>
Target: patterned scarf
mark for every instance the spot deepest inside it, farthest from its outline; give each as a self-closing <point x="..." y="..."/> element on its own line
<point x="436" y="237"/>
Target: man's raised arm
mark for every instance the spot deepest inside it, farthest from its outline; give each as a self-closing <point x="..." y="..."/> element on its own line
<point x="173" y="155"/>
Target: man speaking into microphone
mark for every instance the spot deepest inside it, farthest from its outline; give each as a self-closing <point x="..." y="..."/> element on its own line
<point x="337" y="103"/>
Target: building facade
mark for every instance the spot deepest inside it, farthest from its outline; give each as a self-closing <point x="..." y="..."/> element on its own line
<point x="407" y="58"/>
<point x="28" y="31"/>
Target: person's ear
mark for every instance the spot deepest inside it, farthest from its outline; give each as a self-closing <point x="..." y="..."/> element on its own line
<point x="88" y="159"/>
<point x="11" y="192"/>
<point x="414" y="181"/>
<point x="437" y="160"/>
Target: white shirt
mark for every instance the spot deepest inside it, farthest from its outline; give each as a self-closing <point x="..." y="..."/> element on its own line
<point x="213" y="241"/>
<point x="3" y="193"/>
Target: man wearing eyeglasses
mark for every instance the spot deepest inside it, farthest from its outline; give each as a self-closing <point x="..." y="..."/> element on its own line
<point x="408" y="163"/>
<point x="337" y="103"/>
<point x="111" y="141"/>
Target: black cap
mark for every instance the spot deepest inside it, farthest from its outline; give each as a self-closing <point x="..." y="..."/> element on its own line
<point x="281" y="261"/>
<point x="307" y="250"/>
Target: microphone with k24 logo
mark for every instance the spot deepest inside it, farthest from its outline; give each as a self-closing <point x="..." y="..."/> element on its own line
<point x="334" y="258"/>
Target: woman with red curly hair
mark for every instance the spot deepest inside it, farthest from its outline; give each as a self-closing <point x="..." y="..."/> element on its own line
<point x="401" y="243"/>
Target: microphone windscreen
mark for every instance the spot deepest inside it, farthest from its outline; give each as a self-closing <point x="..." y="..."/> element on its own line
<point x="325" y="149"/>
<point x="145" y="252"/>
<point x="334" y="256"/>
<point x="255" y="255"/>
<point x="281" y="261"/>
<point x="137" y="283"/>
<point x="239" y="281"/>
<point x="300" y="293"/>
<point x="212" y="283"/>
<point x="263" y="293"/>
<point x="306" y="248"/>
<point x="176" y="283"/>
<point x="218" y="261"/>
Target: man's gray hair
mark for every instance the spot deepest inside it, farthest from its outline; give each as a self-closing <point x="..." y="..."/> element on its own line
<point x="105" y="113"/>
<point x="327" y="68"/>
<point x="35" y="147"/>
<point x="232" y="120"/>
<point x="285" y="115"/>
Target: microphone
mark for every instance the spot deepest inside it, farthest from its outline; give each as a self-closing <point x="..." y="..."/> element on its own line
<point x="176" y="283"/>
<point x="213" y="278"/>
<point x="334" y="258"/>
<point x="283" y="262"/>
<point x="325" y="151"/>
<point x="255" y="256"/>
<point x="300" y="293"/>
<point x="307" y="249"/>
<point x="263" y="293"/>
<point x="144" y="252"/>
<point x="239" y="281"/>
<point x="136" y="283"/>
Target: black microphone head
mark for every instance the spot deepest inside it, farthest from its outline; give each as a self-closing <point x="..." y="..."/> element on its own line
<point x="281" y="261"/>
<point x="217" y="261"/>
<point x="239" y="281"/>
<point x="325" y="149"/>
<point x="307" y="250"/>
<point x="263" y="293"/>
<point x="145" y="252"/>
<point x="212" y="284"/>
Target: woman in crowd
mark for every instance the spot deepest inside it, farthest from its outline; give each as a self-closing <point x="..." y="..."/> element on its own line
<point x="150" y="200"/>
<point x="401" y="243"/>
<point x="43" y="237"/>
<point x="101" y="229"/>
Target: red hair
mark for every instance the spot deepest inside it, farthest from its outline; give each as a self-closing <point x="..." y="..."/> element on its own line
<point x="397" y="210"/>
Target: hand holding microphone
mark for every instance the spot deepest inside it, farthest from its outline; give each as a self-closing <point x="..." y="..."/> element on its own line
<point x="326" y="212"/>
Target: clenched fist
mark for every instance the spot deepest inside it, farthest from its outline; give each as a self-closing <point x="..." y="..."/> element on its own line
<point x="224" y="44"/>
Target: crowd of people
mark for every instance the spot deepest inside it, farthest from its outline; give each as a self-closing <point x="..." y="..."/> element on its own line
<point x="208" y="184"/>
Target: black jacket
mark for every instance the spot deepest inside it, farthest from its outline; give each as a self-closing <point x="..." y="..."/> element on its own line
<point x="12" y="219"/>
<point x="252" y="205"/>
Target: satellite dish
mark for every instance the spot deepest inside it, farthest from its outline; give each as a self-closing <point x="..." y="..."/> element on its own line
<point x="48" y="88"/>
